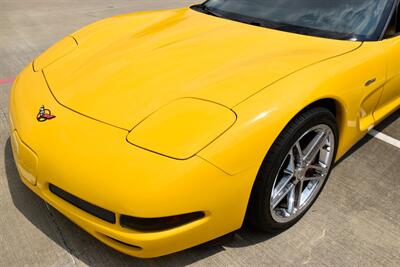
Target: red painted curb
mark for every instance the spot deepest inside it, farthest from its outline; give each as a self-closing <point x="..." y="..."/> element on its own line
<point x="9" y="80"/>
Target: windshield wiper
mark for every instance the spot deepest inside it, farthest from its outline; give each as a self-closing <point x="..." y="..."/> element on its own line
<point x="253" y="22"/>
<point x="205" y="9"/>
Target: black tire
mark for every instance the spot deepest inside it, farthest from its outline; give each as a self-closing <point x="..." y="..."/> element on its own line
<point x="258" y="212"/>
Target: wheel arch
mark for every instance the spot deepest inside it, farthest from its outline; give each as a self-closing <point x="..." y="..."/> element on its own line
<point x="331" y="104"/>
<point x="335" y="106"/>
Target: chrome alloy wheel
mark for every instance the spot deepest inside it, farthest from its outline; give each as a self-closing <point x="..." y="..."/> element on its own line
<point x="302" y="173"/>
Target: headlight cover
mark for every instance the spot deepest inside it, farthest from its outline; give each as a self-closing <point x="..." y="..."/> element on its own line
<point x="54" y="53"/>
<point x="182" y="128"/>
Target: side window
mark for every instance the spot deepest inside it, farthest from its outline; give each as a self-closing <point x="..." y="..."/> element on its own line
<point x="393" y="28"/>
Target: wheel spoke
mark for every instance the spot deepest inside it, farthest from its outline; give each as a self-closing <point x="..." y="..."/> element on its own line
<point x="298" y="193"/>
<point x="315" y="177"/>
<point x="314" y="147"/>
<point x="291" y="200"/>
<point x="300" y="152"/>
<point x="287" y="175"/>
<point x="321" y="172"/>
<point x="282" y="184"/>
<point x="292" y="164"/>
<point x="320" y="167"/>
<point x="289" y="170"/>
<point x="281" y="195"/>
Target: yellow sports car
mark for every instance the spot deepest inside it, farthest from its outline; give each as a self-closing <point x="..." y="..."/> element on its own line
<point x="158" y="131"/>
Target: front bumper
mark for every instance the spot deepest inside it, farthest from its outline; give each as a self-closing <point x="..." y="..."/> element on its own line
<point x="93" y="161"/>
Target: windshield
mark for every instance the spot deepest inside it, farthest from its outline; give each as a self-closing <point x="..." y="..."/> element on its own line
<point x="360" y="20"/>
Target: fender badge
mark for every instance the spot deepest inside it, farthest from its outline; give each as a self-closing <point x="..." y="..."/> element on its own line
<point x="44" y="114"/>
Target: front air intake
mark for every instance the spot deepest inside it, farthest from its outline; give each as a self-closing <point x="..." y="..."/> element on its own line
<point x="159" y="224"/>
<point x="94" y="210"/>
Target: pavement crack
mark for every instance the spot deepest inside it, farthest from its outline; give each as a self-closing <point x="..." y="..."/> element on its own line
<point x="63" y="240"/>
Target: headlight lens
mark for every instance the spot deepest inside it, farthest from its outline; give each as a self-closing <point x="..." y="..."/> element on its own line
<point x="182" y="128"/>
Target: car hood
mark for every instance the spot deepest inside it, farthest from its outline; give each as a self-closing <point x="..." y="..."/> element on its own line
<point x="127" y="67"/>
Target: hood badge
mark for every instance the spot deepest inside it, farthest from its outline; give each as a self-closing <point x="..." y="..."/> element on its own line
<point x="44" y="114"/>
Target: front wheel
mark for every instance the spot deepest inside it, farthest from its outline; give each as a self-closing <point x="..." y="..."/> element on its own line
<point x="294" y="171"/>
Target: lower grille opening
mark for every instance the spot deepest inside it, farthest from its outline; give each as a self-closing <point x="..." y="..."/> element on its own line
<point x="123" y="243"/>
<point x="159" y="224"/>
<point x="94" y="210"/>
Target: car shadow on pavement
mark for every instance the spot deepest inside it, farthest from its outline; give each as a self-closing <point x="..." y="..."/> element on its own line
<point x="87" y="249"/>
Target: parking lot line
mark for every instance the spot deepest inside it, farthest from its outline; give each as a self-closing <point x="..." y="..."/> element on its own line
<point x="386" y="138"/>
<point x="7" y="80"/>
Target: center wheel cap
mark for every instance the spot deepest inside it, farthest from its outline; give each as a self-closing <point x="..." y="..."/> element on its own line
<point x="299" y="174"/>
